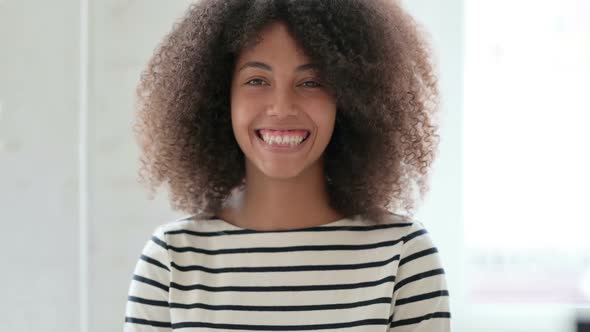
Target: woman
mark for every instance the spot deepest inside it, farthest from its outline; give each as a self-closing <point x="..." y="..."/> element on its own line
<point x="286" y="129"/>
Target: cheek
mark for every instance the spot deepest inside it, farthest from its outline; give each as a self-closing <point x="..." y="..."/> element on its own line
<point x="239" y="122"/>
<point x="325" y="117"/>
<point x="238" y="113"/>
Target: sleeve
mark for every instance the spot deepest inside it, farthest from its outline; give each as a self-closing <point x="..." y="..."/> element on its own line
<point x="147" y="308"/>
<point x="420" y="301"/>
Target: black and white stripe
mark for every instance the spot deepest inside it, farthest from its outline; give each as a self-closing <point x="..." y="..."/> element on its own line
<point x="201" y="275"/>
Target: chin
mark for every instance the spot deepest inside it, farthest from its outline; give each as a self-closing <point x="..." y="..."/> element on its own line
<point x="281" y="173"/>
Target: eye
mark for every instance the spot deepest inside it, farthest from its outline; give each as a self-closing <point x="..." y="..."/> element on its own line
<point x="314" y="84"/>
<point x="254" y="80"/>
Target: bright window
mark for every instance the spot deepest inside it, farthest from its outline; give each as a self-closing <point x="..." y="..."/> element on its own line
<point x="527" y="150"/>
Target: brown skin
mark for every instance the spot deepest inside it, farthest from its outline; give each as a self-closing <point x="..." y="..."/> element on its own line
<point x="372" y="58"/>
<point x="283" y="190"/>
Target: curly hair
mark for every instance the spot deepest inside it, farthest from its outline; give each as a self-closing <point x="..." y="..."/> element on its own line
<point x="371" y="54"/>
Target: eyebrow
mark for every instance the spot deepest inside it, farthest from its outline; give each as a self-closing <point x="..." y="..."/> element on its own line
<point x="262" y="65"/>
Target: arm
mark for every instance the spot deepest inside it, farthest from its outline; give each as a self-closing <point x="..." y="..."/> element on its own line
<point x="147" y="307"/>
<point x="420" y="300"/>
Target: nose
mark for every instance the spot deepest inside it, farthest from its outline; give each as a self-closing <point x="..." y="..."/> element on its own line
<point x="284" y="104"/>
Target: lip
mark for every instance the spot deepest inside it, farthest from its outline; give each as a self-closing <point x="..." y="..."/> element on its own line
<point x="282" y="128"/>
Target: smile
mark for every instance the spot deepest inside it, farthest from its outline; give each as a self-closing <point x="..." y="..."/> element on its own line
<point x="282" y="141"/>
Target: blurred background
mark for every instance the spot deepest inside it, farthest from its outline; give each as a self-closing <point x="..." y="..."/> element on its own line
<point x="508" y="206"/>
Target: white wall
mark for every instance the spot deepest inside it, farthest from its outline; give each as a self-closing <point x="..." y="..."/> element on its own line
<point x="123" y="35"/>
<point x="442" y="212"/>
<point x="38" y="165"/>
<point x="39" y="118"/>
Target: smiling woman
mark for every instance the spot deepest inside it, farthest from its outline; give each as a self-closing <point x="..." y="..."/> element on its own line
<point x="280" y="178"/>
<point x="286" y="129"/>
<point x="377" y="75"/>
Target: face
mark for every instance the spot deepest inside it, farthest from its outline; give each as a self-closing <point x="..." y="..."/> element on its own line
<point x="274" y="86"/>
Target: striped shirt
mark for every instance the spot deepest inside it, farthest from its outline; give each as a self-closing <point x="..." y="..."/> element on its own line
<point x="205" y="274"/>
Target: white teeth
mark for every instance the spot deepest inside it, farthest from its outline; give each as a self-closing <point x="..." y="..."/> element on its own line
<point x="290" y="140"/>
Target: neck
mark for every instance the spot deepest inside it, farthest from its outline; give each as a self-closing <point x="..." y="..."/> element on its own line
<point x="277" y="204"/>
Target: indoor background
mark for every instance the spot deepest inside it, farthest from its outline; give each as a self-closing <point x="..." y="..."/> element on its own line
<point x="509" y="192"/>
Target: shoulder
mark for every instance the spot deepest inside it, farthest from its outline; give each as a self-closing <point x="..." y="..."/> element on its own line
<point x="185" y="229"/>
<point x="385" y="217"/>
<point x="175" y="223"/>
<point x="409" y="229"/>
<point x="182" y="223"/>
